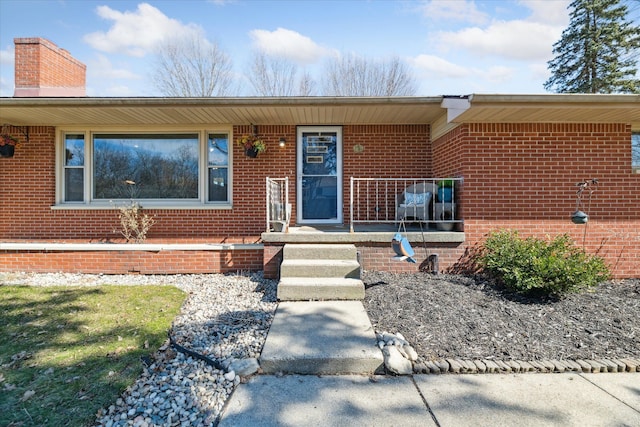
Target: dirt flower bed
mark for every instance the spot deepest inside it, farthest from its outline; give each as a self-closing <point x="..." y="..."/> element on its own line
<point x="445" y="316"/>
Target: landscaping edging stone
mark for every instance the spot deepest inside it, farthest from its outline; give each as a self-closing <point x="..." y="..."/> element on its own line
<point x="488" y="366"/>
<point x="406" y="361"/>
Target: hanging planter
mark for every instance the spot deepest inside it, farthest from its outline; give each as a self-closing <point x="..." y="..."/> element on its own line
<point x="8" y="145"/>
<point x="252" y="145"/>
<point x="7" y="150"/>
<point x="251" y="152"/>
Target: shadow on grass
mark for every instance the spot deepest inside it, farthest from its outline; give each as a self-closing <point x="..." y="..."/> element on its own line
<point x="66" y="352"/>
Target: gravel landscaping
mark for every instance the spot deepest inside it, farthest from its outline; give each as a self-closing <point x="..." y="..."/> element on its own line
<point x="227" y="317"/>
<point x="461" y="317"/>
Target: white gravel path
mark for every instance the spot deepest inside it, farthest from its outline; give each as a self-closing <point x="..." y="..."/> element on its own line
<point x="224" y="317"/>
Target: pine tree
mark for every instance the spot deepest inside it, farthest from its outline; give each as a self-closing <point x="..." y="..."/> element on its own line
<point x="598" y="52"/>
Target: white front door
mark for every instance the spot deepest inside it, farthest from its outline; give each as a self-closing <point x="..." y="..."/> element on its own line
<point x="319" y="175"/>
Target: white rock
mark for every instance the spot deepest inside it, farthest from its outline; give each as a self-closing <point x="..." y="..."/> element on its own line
<point x="245" y="367"/>
<point x="388" y="337"/>
<point x="230" y="376"/>
<point x="402" y="352"/>
<point x="410" y="352"/>
<point x="394" y="361"/>
<point x="391" y="339"/>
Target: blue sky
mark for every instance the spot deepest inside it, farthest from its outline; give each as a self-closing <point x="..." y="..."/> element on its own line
<point x="451" y="46"/>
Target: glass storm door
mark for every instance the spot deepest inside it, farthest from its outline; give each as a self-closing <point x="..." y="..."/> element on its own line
<point x="319" y="176"/>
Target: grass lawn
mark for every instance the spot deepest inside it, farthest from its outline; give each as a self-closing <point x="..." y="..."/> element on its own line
<point x="66" y="352"/>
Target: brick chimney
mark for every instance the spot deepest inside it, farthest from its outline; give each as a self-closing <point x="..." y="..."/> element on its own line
<point x="44" y="69"/>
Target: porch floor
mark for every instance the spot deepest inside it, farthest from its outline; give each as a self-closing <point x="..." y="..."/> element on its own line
<point x="374" y="233"/>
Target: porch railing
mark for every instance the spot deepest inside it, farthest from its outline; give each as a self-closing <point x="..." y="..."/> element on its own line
<point x="385" y="200"/>
<point x="278" y="207"/>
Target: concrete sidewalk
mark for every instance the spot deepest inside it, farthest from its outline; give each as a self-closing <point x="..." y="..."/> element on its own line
<point x="532" y="399"/>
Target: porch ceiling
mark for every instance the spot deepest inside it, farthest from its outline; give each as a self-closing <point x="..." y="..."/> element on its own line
<point x="197" y="111"/>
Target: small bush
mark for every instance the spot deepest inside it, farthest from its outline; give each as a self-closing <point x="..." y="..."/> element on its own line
<point x="134" y="224"/>
<point x="538" y="267"/>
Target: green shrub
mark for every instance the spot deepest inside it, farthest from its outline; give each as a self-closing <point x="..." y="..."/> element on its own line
<point x="538" y="267"/>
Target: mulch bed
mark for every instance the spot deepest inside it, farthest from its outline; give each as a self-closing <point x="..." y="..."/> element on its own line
<point x="450" y="316"/>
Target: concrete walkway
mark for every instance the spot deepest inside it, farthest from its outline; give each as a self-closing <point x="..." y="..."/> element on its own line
<point x="533" y="399"/>
<point x="321" y="337"/>
<point x="333" y="345"/>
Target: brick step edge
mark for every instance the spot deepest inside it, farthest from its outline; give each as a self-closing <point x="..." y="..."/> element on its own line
<point x="492" y="366"/>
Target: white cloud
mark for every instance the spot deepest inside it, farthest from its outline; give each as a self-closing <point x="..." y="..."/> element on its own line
<point x="289" y="44"/>
<point x="119" y="90"/>
<point x="7" y="56"/>
<point x="7" y="59"/>
<point x="434" y="67"/>
<point x="549" y="12"/>
<point x="465" y="11"/>
<point x="113" y="90"/>
<point x="6" y="87"/>
<point x="102" y="68"/>
<point x="498" y="74"/>
<point x="136" y="33"/>
<point x="517" y="39"/>
<point x="430" y="67"/>
<point x="539" y="71"/>
<point x="529" y="39"/>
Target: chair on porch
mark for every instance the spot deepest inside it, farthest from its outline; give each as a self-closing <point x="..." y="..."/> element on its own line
<point x="414" y="202"/>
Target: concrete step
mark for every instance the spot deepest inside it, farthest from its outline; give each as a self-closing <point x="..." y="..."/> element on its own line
<point x="320" y="288"/>
<point x="321" y="338"/>
<point x="320" y="268"/>
<point x="311" y="251"/>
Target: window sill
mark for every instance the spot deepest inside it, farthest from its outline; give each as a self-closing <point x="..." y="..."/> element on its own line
<point x="147" y="207"/>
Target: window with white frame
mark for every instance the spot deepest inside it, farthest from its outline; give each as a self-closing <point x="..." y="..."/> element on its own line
<point x="170" y="168"/>
<point x="218" y="167"/>
<point x="74" y="168"/>
<point x="635" y="152"/>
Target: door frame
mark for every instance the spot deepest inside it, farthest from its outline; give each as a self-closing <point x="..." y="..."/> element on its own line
<point x="339" y="174"/>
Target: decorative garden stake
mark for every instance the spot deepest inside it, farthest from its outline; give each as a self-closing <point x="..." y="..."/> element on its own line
<point x="580" y="217"/>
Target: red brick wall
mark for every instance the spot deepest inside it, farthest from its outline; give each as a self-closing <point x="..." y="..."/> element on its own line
<point x="523" y="176"/>
<point x="26" y="213"/>
<point x="272" y="258"/>
<point x="379" y="257"/>
<point x="515" y="176"/>
<point x="44" y="69"/>
<point x="389" y="151"/>
<point x="449" y="157"/>
<point x="122" y="262"/>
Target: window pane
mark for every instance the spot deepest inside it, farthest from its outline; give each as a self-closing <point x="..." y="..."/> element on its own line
<point x="320" y="197"/>
<point x="161" y="166"/>
<point x="74" y="184"/>
<point x="319" y="154"/>
<point x="218" y="150"/>
<point x="218" y="185"/>
<point x="74" y="150"/>
<point x="635" y="152"/>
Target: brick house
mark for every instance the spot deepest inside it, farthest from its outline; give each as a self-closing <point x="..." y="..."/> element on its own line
<point x="515" y="160"/>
